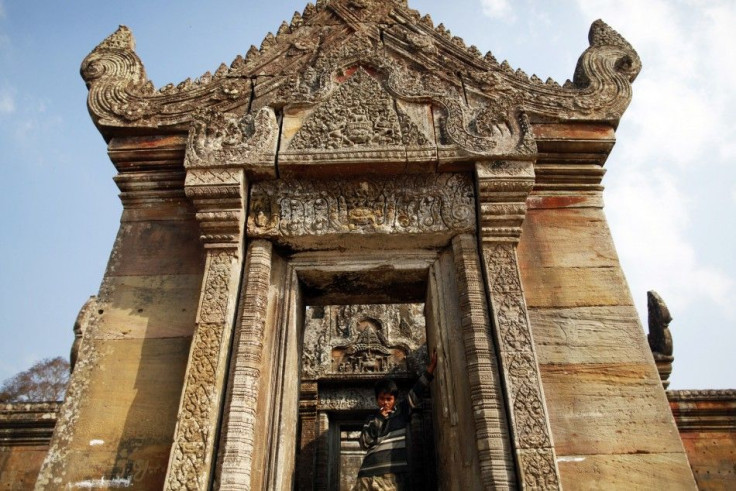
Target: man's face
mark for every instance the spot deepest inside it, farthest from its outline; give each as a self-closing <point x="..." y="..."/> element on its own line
<point x="386" y="401"/>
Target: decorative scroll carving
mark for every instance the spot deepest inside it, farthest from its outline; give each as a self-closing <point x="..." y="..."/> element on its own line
<point x="222" y="140"/>
<point x="239" y="426"/>
<point x="539" y="469"/>
<point x="120" y="94"/>
<point x="494" y="443"/>
<point x="404" y="204"/>
<point x="660" y="338"/>
<point x="525" y="397"/>
<point x="189" y="461"/>
<point x="364" y="340"/>
<point x="215" y="296"/>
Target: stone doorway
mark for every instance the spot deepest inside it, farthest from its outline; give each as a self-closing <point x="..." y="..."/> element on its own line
<point x="346" y="349"/>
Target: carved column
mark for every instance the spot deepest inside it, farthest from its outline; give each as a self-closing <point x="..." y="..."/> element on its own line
<point x="489" y="411"/>
<point x="218" y="195"/>
<point x="502" y="191"/>
<point x="220" y="149"/>
<point x="239" y="424"/>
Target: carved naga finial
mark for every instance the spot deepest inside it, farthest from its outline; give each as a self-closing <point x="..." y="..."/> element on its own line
<point x="660" y="338"/>
<point x="608" y="52"/>
<point x="114" y="58"/>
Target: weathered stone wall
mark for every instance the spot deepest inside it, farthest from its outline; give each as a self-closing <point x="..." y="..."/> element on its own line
<point x="25" y="431"/>
<point x="608" y="410"/>
<point x="707" y="423"/>
<point x="119" y="416"/>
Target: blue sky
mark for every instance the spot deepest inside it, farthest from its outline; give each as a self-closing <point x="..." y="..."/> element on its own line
<point x="670" y="186"/>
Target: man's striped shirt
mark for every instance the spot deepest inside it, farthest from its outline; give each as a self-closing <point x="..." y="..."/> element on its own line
<point x="385" y="437"/>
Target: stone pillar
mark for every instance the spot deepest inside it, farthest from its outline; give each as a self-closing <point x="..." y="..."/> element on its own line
<point x="218" y="195"/>
<point x="239" y="422"/>
<point x="491" y="426"/>
<point x="502" y="189"/>
<point x="221" y="148"/>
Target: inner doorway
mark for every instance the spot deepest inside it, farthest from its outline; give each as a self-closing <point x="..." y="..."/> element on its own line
<point x="346" y="349"/>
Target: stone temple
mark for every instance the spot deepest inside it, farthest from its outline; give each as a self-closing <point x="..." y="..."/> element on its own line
<point x="363" y="189"/>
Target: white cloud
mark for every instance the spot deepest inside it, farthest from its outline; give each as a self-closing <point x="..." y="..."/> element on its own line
<point x="679" y="124"/>
<point x="497" y="9"/>
<point x="683" y="99"/>
<point x="7" y="101"/>
<point x="649" y="215"/>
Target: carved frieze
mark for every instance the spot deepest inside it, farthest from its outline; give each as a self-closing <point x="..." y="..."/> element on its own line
<point x="334" y="399"/>
<point x="403" y="204"/>
<point x="364" y="340"/>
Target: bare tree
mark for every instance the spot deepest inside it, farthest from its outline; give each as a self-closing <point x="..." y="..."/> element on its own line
<point x="45" y="381"/>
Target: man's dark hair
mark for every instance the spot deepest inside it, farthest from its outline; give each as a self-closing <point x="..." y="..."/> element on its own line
<point x="386" y="385"/>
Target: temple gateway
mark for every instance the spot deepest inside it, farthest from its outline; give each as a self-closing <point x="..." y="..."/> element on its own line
<point x="325" y="211"/>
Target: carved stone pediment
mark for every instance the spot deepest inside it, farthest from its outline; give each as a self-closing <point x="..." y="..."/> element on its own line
<point x="305" y="56"/>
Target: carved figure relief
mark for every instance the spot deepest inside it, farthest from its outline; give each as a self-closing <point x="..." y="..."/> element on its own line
<point x="405" y="204"/>
<point x="359" y="113"/>
<point x="220" y="140"/>
<point x="364" y="340"/>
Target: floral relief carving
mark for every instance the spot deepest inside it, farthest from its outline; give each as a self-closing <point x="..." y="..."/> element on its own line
<point x="194" y="430"/>
<point x="501" y="263"/>
<point x="216" y="292"/>
<point x="512" y="322"/>
<point x="407" y="204"/>
<point x="539" y="470"/>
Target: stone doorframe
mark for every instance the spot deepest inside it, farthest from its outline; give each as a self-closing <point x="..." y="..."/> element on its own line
<point x="258" y="425"/>
<point x="245" y="410"/>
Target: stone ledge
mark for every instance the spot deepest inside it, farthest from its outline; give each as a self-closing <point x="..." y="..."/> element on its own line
<point x="27" y="423"/>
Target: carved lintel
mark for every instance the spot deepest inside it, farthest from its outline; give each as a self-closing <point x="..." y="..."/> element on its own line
<point x="354" y="341"/>
<point x="190" y="462"/>
<point x="411" y="204"/>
